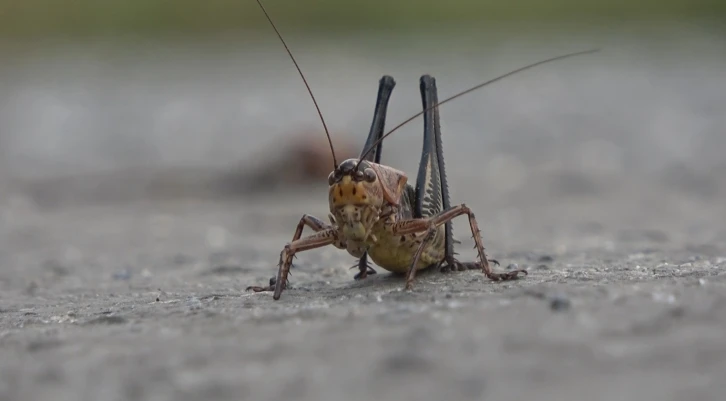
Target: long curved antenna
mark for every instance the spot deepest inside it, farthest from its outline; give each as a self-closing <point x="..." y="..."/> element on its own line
<point x="373" y="145"/>
<point x="330" y="141"/>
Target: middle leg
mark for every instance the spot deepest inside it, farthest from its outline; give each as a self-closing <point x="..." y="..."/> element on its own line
<point x="431" y="224"/>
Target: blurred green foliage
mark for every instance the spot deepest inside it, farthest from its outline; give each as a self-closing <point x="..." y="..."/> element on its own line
<point x="39" y="18"/>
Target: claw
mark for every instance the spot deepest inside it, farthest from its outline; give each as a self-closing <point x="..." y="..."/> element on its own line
<point x="259" y="289"/>
<point x="363" y="275"/>
<point x="271" y="287"/>
<point x="513" y="275"/>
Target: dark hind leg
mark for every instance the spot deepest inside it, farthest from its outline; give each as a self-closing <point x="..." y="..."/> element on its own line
<point x="385" y="89"/>
<point x="432" y="188"/>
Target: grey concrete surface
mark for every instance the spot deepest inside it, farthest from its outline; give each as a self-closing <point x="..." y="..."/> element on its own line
<point x="603" y="176"/>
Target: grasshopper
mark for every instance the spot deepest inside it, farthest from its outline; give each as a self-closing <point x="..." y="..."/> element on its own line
<point x="376" y="213"/>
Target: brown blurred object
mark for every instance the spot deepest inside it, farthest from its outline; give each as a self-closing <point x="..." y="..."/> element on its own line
<point x="304" y="160"/>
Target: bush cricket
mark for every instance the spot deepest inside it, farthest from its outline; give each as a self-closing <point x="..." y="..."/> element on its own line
<point x="376" y="213"/>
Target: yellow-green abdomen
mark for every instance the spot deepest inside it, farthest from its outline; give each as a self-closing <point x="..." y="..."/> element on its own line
<point x="395" y="252"/>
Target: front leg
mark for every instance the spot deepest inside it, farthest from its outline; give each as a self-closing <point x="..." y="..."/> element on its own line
<point x="311" y="221"/>
<point x="325" y="235"/>
<point x="306" y="220"/>
<point x="430" y="226"/>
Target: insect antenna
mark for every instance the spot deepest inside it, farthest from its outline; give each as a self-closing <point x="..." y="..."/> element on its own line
<point x="327" y="133"/>
<point x="373" y="145"/>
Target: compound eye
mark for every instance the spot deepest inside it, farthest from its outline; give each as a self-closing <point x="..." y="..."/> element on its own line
<point x="370" y="175"/>
<point x="359" y="175"/>
<point x="331" y="178"/>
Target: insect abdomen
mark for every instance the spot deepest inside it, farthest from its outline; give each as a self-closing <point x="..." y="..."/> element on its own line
<point x="395" y="252"/>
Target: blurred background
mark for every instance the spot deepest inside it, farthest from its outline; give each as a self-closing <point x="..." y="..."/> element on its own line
<point x="91" y="87"/>
<point x="129" y="100"/>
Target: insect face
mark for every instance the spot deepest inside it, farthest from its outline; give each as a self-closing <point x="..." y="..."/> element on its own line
<point x="355" y="199"/>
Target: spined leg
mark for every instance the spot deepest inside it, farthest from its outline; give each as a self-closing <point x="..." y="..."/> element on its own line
<point x="430" y="225"/>
<point x="311" y="221"/>
<point x="307" y="220"/>
<point x="325" y="235"/>
<point x="432" y="185"/>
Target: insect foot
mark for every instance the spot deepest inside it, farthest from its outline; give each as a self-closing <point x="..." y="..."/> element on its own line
<point x="453" y="264"/>
<point x="364" y="268"/>
<point x="271" y="287"/>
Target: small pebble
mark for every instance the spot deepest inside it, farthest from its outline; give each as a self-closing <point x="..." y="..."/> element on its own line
<point x="543" y="267"/>
<point x="513" y="266"/>
<point x="559" y="303"/>
<point x="546" y="259"/>
<point x="194" y="303"/>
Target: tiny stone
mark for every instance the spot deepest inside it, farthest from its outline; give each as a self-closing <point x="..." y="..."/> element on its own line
<point x="559" y="303"/>
<point x="543" y="267"/>
<point x="194" y="303"/>
<point x="448" y="296"/>
<point x="513" y="266"/>
<point x="546" y="259"/>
